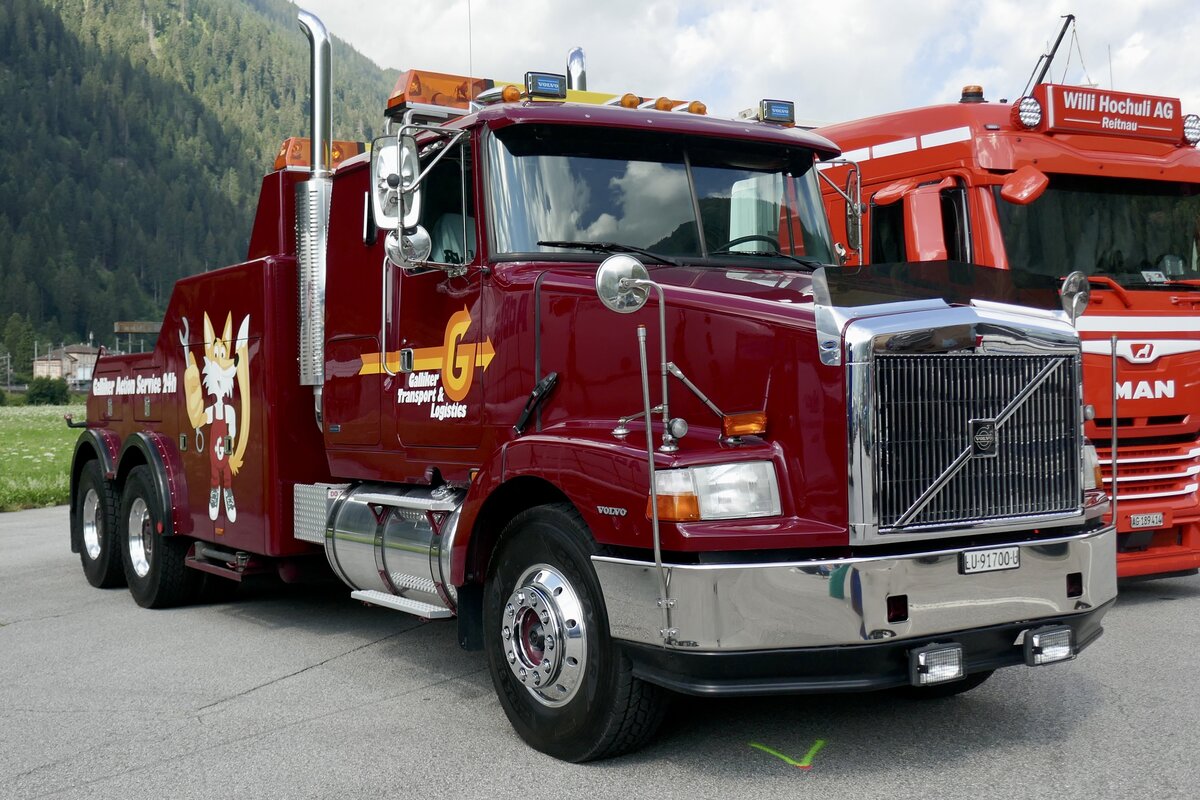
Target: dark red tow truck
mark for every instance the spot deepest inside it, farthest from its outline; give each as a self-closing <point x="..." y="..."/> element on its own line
<point x="575" y="375"/>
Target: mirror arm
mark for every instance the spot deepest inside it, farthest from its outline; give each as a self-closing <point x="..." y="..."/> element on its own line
<point x="669" y="442"/>
<point x="385" y="317"/>
<point x="856" y="201"/>
<point x="454" y="139"/>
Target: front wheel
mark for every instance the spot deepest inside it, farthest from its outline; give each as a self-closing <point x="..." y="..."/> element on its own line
<point x="154" y="564"/>
<point x="565" y="686"/>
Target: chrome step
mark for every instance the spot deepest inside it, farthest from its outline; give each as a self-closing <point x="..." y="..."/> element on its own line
<point x="415" y="607"/>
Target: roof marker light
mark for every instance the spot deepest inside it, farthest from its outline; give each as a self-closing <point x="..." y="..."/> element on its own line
<point x="971" y="93"/>
<point x="696" y="107"/>
<point x="1027" y="112"/>
<point x="629" y="100"/>
<point x="546" y="84"/>
<point x="1191" y="129"/>
<point x="782" y="112"/>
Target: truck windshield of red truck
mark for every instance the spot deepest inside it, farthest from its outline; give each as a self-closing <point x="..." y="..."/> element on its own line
<point x="1139" y="233"/>
<point x="690" y="201"/>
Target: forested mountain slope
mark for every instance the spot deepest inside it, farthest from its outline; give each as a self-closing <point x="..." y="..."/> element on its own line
<point x="133" y="139"/>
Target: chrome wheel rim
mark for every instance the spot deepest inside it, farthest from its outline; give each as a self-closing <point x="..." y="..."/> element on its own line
<point x="141" y="537"/>
<point x="544" y="636"/>
<point x="91" y="524"/>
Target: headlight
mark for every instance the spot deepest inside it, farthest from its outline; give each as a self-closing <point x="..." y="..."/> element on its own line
<point x="1027" y="112"/>
<point x="1191" y="129"/>
<point x="1093" y="478"/>
<point x="722" y="491"/>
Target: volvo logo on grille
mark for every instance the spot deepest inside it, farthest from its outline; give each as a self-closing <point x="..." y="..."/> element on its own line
<point x="983" y="438"/>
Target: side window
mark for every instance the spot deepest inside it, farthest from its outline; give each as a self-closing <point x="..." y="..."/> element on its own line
<point x="887" y="233"/>
<point x="955" y="224"/>
<point x="448" y="208"/>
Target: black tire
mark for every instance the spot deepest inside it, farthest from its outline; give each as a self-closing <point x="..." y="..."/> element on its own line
<point x="602" y="709"/>
<point x="94" y="526"/>
<point x="946" y="689"/>
<point x="154" y="564"/>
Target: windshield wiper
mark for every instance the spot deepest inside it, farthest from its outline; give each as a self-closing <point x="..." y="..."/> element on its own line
<point x="610" y="247"/>
<point x="811" y="263"/>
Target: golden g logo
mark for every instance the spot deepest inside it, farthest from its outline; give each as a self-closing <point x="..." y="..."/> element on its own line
<point x="456" y="359"/>
<point x="458" y="365"/>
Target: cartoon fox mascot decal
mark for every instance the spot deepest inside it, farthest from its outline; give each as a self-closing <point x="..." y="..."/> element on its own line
<point x="226" y="364"/>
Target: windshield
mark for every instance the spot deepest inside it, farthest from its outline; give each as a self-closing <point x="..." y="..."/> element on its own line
<point x="1137" y="232"/>
<point x="733" y="201"/>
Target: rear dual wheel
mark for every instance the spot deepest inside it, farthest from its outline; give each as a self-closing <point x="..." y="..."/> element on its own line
<point x="154" y="564"/>
<point x="95" y="523"/>
<point x="565" y="685"/>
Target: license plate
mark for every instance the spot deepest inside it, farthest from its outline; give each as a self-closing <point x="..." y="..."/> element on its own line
<point x="991" y="560"/>
<point x="1146" y="520"/>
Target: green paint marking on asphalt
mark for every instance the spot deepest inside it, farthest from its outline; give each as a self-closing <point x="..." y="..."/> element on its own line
<point x="804" y="763"/>
<point x="775" y="753"/>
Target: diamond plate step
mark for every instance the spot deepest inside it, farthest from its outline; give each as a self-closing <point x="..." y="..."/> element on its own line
<point x="415" y="607"/>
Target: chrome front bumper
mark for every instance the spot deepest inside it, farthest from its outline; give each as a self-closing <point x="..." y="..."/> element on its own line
<point x="803" y="604"/>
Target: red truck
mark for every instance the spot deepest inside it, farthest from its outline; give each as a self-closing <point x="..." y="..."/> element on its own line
<point x="1067" y="178"/>
<point x="574" y="375"/>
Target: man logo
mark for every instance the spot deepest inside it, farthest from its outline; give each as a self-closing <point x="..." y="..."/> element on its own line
<point x="1145" y="390"/>
<point x="1139" y="352"/>
<point x="983" y="438"/>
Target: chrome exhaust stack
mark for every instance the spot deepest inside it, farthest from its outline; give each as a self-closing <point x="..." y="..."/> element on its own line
<point x="576" y="69"/>
<point x="312" y="215"/>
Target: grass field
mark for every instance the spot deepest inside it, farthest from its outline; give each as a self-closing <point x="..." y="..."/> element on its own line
<point x="35" y="455"/>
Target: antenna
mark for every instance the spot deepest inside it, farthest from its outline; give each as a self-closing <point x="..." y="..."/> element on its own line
<point x="1044" y="60"/>
<point x="470" y="47"/>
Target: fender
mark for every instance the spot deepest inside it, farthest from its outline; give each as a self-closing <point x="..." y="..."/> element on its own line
<point x="160" y="454"/>
<point x="98" y="443"/>
<point x="581" y="470"/>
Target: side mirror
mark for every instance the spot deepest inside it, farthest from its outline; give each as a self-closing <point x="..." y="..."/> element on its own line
<point x="385" y="183"/>
<point x="893" y="192"/>
<point x="410" y="187"/>
<point x="1024" y="186"/>
<point x="395" y="192"/>
<point x="1075" y="294"/>
<point x="613" y="284"/>
<point x="854" y="209"/>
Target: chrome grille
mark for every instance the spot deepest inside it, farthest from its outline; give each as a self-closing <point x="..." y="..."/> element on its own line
<point x="928" y="472"/>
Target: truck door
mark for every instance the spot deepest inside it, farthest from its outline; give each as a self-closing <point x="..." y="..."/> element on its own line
<point x="439" y="401"/>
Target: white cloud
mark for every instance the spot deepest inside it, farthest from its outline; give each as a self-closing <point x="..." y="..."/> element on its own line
<point x="856" y="58"/>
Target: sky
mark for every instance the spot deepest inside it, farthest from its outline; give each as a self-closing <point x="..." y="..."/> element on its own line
<point x="837" y="61"/>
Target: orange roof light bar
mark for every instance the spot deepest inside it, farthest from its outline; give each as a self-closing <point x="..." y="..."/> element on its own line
<point x="437" y="89"/>
<point x="296" y="152"/>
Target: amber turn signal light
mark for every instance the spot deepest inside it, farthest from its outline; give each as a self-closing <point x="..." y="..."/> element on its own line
<point x="675" y="507"/>
<point x="750" y="423"/>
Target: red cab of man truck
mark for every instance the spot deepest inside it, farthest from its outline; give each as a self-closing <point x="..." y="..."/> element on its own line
<point x="575" y="376"/>
<point x="1067" y="178"/>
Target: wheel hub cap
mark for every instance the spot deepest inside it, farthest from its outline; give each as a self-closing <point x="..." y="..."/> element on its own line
<point x="92" y="532"/>
<point x="141" y="537"/>
<point x="544" y="637"/>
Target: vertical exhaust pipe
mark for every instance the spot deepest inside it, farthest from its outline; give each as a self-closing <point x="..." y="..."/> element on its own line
<point x="576" y="69"/>
<point x="322" y="117"/>
<point x="312" y="215"/>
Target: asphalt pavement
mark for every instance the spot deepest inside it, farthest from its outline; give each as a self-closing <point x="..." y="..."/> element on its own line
<point x="291" y="692"/>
